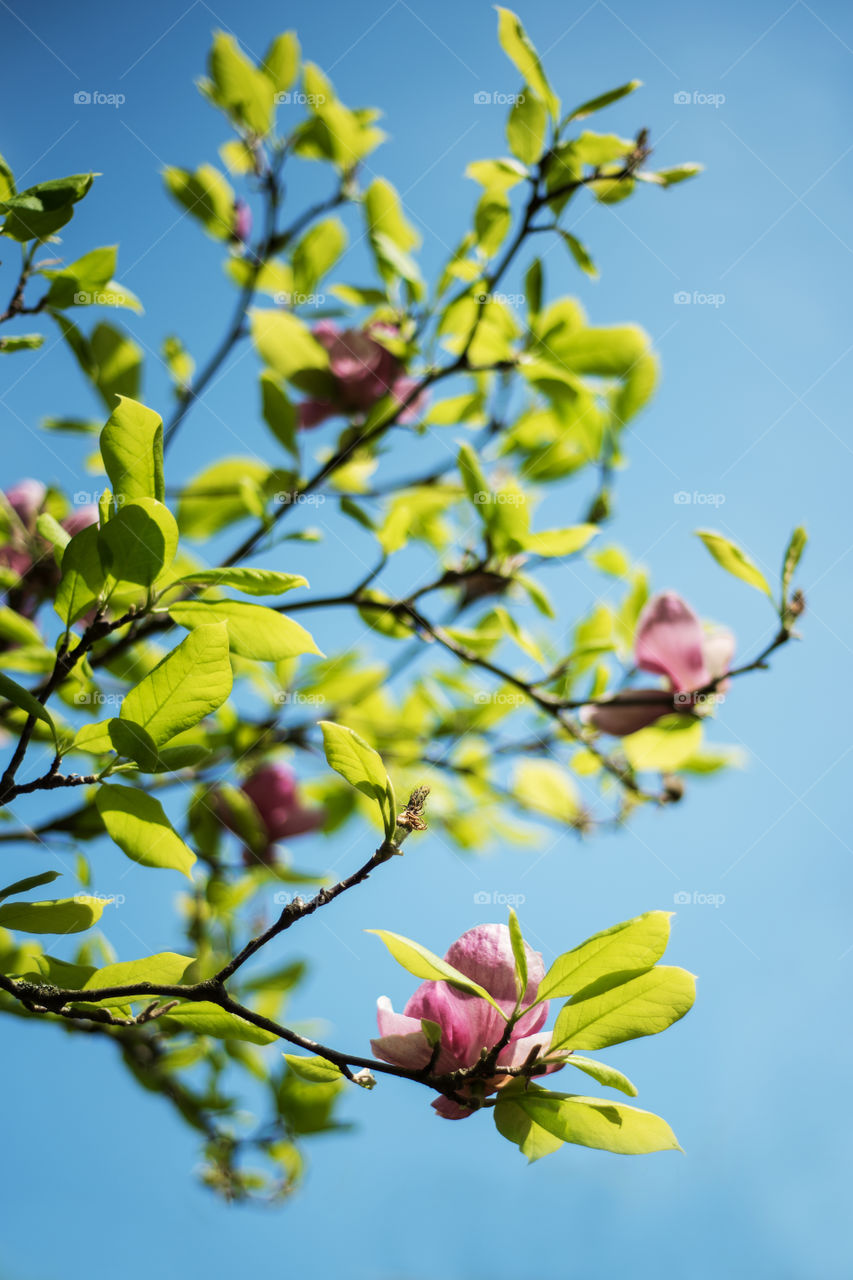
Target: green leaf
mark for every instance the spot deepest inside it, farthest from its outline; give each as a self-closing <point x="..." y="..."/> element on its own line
<point x="21" y="697"/>
<point x="734" y="561"/>
<point x="187" y="685"/>
<point x="133" y="743"/>
<point x="29" y="882"/>
<point x="476" y="485"/>
<point x="517" y="46"/>
<point x="519" y="952"/>
<point x="279" y="413"/>
<point x="254" y="631"/>
<point x="580" y="254"/>
<point x="252" y="582"/>
<point x="52" y="531"/>
<point x="166" y="969"/>
<point x="139" y="542"/>
<point x="207" y="195"/>
<point x="355" y="760"/>
<point x="548" y="788"/>
<point x="603" y="100"/>
<point x="525" y="128"/>
<point x="664" y="746"/>
<point x="205" y="1019"/>
<point x="35" y="214"/>
<point x="316" y="254"/>
<point x="285" y="343"/>
<point x="384" y="215"/>
<point x="22" y="342"/>
<point x="514" y="1124"/>
<point x="595" y="1122"/>
<point x="642" y="1006"/>
<point x="793" y="553"/>
<point x="629" y="947"/>
<point x="83" y="581"/>
<point x="679" y="173"/>
<point x="417" y="960"/>
<point x="600" y="1071"/>
<point x="137" y="823"/>
<point x="228" y="490"/>
<point x="62" y="915"/>
<point x="316" y="1070"/>
<point x="241" y="89"/>
<point x="281" y="61"/>
<point x="561" y="542"/>
<point x="132" y="450"/>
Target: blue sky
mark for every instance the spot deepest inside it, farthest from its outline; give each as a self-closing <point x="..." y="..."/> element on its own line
<point x="754" y="408"/>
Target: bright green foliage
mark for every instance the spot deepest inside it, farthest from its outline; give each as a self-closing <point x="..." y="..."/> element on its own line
<point x="156" y="659"/>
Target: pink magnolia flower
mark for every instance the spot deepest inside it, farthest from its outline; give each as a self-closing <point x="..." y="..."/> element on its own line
<point x="363" y="371"/>
<point x="241" y="226"/>
<point x="671" y="642"/>
<point x="26" y="499"/>
<point x="81" y="519"/>
<point x="274" y="792"/>
<point x="468" y="1023"/>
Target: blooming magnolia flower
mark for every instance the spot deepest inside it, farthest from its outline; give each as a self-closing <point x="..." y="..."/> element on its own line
<point x="274" y="792"/>
<point x="363" y="371"/>
<point x="670" y="642"/>
<point x="468" y="1023"/>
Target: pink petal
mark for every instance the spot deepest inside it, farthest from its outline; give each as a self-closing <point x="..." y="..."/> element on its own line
<point x="669" y="642"/>
<point x="645" y="706"/>
<point x="313" y="412"/>
<point x="719" y="651"/>
<point x="451" y="1110"/>
<point x="518" y="1051"/>
<point x="484" y="954"/>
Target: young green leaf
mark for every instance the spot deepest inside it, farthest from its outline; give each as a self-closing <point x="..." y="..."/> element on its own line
<point x="595" y="1122"/>
<point x="139" y="826"/>
<point x="29" y="882"/>
<point x="316" y="1070"/>
<point x="793" y="553"/>
<point x="604" y="1074"/>
<point x="627" y="948"/>
<point x="206" y="1019"/>
<point x="354" y="759"/>
<point x="517" y="46"/>
<point x="83" y="581"/>
<point x="580" y="254"/>
<point x="736" y="562"/>
<point x="21" y="697"/>
<point x="598" y="104"/>
<point x="139" y="542"/>
<point x="251" y="582"/>
<point x="132" y="450"/>
<point x="519" y="953"/>
<point x="62" y="915"/>
<point x="423" y="964"/>
<point x="254" y="631"/>
<point x="642" y="1006"/>
<point x="166" y="968"/>
<point x="191" y="682"/>
<point x="514" y="1124"/>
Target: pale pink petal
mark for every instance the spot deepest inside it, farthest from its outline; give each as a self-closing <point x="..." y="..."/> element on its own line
<point x="451" y="1110"/>
<point x="394" y="1024"/>
<point x="628" y="711"/>
<point x="719" y="651"/>
<point x="411" y="1051"/>
<point x="669" y="642"/>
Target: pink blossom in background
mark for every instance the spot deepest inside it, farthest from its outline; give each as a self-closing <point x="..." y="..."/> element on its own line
<point x="468" y="1023"/>
<point x="241" y="227"/>
<point x="274" y="791"/>
<point x="363" y="371"/>
<point x="670" y="641"/>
